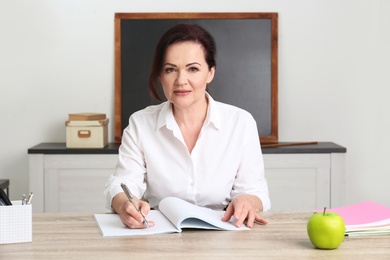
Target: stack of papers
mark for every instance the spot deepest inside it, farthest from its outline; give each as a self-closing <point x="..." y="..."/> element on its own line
<point x="365" y="218"/>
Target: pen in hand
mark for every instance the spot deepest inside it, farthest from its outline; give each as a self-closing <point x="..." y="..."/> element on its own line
<point x="131" y="198"/>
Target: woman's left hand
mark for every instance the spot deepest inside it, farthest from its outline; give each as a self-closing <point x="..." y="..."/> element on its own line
<point x="245" y="207"/>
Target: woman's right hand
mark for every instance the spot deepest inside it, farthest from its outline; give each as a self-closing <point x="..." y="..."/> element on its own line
<point x="128" y="214"/>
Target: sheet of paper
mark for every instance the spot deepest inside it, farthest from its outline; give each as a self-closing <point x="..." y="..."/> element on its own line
<point x="111" y="225"/>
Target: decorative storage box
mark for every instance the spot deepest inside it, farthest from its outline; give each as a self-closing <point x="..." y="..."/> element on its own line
<point x="15" y="223"/>
<point x="86" y="133"/>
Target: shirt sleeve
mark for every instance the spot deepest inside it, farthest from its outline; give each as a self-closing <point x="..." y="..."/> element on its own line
<point x="250" y="177"/>
<point x="130" y="169"/>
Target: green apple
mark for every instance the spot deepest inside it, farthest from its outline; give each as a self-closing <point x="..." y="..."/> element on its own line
<point x="326" y="230"/>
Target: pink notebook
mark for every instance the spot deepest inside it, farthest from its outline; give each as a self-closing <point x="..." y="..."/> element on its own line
<point x="363" y="213"/>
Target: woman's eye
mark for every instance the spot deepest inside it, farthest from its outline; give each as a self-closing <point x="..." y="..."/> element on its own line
<point x="194" y="69"/>
<point x="169" y="70"/>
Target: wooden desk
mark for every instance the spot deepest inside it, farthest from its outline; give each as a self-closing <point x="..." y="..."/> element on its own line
<point x="76" y="236"/>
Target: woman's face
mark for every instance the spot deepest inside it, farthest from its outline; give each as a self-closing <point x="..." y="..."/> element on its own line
<point x="185" y="74"/>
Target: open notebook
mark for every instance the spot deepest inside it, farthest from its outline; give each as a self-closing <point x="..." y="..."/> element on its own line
<point x="173" y="215"/>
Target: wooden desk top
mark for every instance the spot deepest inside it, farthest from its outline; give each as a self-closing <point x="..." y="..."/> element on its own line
<point x="76" y="236"/>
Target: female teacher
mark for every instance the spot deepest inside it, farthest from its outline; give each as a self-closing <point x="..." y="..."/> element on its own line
<point x="190" y="146"/>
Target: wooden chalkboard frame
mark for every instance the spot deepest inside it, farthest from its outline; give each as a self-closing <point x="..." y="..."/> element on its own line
<point x="272" y="137"/>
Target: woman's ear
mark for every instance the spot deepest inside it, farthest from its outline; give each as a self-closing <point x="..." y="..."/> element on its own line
<point x="211" y="75"/>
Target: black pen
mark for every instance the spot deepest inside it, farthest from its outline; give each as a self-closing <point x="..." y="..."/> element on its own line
<point x="131" y="198"/>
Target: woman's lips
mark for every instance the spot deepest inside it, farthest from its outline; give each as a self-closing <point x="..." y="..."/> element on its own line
<point x="181" y="92"/>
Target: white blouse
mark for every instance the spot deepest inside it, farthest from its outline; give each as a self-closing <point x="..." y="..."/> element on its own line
<point x="154" y="161"/>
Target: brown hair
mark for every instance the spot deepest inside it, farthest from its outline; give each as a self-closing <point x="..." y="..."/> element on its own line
<point x="176" y="34"/>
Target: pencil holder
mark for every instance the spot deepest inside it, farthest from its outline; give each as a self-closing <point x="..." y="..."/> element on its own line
<point x="15" y="223"/>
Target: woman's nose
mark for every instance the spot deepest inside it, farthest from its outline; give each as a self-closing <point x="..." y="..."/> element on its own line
<point x="181" y="78"/>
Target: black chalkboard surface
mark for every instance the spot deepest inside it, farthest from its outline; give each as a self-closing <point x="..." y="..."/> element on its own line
<point x="246" y="71"/>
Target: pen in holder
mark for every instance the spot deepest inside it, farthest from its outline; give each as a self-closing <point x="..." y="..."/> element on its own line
<point x="15" y="223"/>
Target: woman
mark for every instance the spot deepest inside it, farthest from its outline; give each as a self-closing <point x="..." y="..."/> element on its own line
<point x="192" y="147"/>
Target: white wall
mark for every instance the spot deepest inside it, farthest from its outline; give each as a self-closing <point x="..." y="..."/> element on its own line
<point x="57" y="57"/>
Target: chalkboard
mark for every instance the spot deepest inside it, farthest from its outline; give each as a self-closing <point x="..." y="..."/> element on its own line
<point x="246" y="71"/>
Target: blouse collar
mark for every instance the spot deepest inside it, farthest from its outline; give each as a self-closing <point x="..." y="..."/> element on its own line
<point x="166" y="115"/>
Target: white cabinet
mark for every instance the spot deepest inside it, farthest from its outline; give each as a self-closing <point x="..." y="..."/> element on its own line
<point x="305" y="181"/>
<point x="66" y="180"/>
<point x="70" y="183"/>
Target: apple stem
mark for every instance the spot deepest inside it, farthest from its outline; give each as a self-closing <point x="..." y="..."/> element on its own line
<point x="324" y="210"/>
